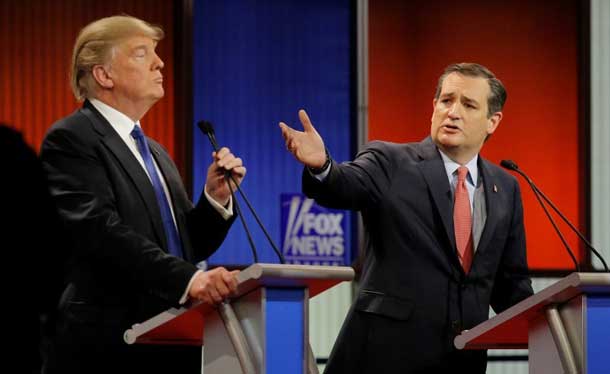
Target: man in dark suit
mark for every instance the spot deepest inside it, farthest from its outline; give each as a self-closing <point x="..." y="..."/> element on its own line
<point x="136" y="235"/>
<point x="444" y="232"/>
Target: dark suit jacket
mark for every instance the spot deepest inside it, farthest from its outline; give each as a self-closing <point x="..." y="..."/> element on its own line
<point x="121" y="272"/>
<point x="32" y="252"/>
<point x="414" y="296"/>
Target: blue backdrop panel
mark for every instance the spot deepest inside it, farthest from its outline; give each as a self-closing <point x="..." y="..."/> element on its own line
<point x="598" y="334"/>
<point x="257" y="63"/>
<point x="285" y="330"/>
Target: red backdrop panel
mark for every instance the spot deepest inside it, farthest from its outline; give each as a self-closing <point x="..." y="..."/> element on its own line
<point x="36" y="40"/>
<point x="533" y="47"/>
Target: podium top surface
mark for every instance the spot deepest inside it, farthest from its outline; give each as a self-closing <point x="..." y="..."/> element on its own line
<point x="316" y="278"/>
<point x="184" y="326"/>
<point x="509" y="329"/>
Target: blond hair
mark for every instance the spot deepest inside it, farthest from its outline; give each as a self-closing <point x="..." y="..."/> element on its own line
<point x="94" y="46"/>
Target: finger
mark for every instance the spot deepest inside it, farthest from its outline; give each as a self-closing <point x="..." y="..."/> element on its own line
<point x="225" y="162"/>
<point x="222" y="152"/>
<point x="234" y="163"/>
<point x="239" y="171"/>
<point x="231" y="280"/>
<point x="207" y="299"/>
<point x="219" y="271"/>
<point x="221" y="162"/>
<point x="229" y="276"/>
<point x="215" y="295"/>
<point x="223" y="288"/>
<point x="230" y="161"/>
<point x="285" y="128"/>
<point x="285" y="136"/>
<point x="307" y="126"/>
<point x="292" y="145"/>
<point x="287" y="131"/>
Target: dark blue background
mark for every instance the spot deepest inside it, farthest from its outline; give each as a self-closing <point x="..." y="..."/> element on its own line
<point x="257" y="63"/>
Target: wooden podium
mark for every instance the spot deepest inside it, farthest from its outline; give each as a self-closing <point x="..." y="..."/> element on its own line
<point x="263" y="329"/>
<point x="565" y="326"/>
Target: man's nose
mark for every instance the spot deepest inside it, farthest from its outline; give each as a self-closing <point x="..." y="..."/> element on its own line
<point x="158" y="63"/>
<point x="454" y="111"/>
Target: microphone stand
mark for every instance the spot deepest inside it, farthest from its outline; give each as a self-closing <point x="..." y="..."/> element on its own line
<point x="510" y="165"/>
<point x="207" y="128"/>
<point x="578" y="233"/>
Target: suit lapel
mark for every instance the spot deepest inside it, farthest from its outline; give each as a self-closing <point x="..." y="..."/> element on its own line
<point x="140" y="179"/>
<point x="433" y="170"/>
<point x="491" y="201"/>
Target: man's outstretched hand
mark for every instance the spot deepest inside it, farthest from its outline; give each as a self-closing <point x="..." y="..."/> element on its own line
<point x="306" y="146"/>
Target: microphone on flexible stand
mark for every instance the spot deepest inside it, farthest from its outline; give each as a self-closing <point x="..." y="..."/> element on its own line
<point x="511" y="165"/>
<point x="207" y="128"/>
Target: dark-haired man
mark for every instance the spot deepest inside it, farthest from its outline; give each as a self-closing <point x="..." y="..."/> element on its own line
<point x="444" y="232"/>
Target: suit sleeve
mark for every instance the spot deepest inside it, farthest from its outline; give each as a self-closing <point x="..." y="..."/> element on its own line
<point x="85" y="199"/>
<point x="512" y="283"/>
<point x="207" y="228"/>
<point x="353" y="185"/>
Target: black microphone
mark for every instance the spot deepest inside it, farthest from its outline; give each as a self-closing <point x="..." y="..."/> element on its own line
<point x="511" y="165"/>
<point x="207" y="128"/>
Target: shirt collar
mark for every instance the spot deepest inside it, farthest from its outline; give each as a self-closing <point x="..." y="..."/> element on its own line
<point x="119" y="121"/>
<point x="451" y="166"/>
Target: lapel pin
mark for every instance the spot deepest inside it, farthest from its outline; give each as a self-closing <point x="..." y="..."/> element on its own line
<point x="495" y="188"/>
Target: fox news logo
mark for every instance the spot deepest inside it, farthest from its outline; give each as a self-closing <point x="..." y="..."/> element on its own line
<point x="311" y="234"/>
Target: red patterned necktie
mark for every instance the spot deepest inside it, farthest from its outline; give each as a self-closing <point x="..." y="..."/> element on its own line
<point x="462" y="220"/>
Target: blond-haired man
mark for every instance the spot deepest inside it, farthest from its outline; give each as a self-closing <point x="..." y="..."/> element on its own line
<point x="136" y="235"/>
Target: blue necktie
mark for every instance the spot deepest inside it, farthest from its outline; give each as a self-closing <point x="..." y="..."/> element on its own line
<point x="171" y="233"/>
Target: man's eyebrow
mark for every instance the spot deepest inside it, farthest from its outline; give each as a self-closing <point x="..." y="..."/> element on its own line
<point x="143" y="47"/>
<point x="470" y="100"/>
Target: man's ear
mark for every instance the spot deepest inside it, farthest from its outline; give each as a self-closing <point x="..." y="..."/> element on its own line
<point x="493" y="123"/>
<point x="102" y="76"/>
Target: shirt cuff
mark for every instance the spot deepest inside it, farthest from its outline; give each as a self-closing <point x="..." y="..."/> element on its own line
<point x="227" y="212"/>
<point x="185" y="295"/>
<point x="322" y="175"/>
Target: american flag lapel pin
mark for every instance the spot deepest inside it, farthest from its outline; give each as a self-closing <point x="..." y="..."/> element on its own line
<point x="495" y="188"/>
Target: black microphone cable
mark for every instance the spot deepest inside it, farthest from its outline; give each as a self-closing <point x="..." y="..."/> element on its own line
<point x="203" y="125"/>
<point x="207" y="128"/>
<point x="510" y="165"/>
<point x="563" y="217"/>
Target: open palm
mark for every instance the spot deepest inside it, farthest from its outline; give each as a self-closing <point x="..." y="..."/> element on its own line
<point x="307" y="146"/>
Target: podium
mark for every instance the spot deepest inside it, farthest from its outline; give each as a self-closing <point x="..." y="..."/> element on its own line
<point x="263" y="329"/>
<point x="565" y="326"/>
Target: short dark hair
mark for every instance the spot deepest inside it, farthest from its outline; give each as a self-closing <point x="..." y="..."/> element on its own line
<point x="497" y="97"/>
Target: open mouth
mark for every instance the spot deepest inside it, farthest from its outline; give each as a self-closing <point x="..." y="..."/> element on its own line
<point x="451" y="127"/>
